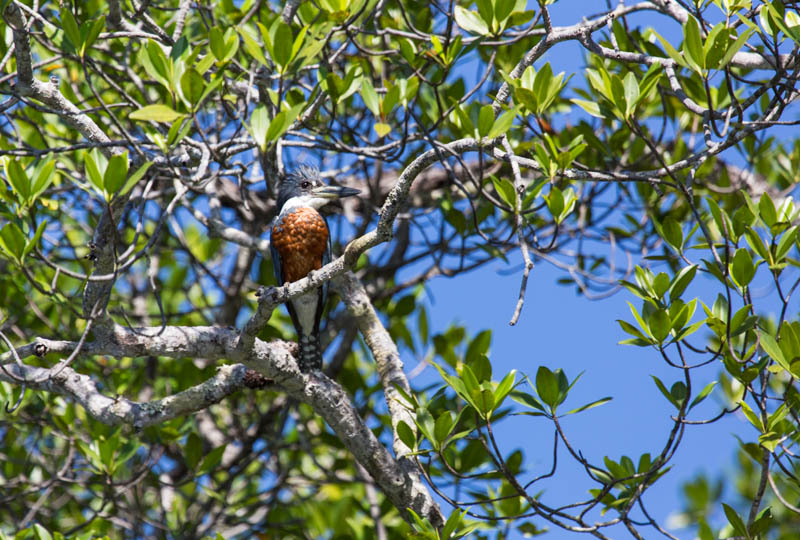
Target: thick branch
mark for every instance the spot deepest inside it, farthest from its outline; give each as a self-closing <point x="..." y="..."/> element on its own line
<point x="273" y="360"/>
<point x="48" y="93"/>
<point x="384" y="350"/>
<point x="82" y="390"/>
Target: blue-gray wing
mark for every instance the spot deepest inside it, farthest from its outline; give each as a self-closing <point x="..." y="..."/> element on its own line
<point x="326" y="258"/>
<point x="276" y="262"/>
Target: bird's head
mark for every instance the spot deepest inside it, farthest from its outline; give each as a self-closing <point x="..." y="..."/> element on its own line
<point x="305" y="188"/>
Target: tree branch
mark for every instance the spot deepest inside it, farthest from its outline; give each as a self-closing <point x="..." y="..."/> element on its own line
<point x="384" y="350"/>
<point x="273" y="360"/>
<point x="82" y="390"/>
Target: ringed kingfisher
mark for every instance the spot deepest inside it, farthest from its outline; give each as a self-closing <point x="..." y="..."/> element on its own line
<point x="300" y="243"/>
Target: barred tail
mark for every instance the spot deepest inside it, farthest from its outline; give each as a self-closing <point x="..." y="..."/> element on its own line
<point x="310" y="357"/>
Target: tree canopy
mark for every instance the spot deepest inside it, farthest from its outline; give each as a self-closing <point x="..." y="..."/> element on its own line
<point x="147" y="366"/>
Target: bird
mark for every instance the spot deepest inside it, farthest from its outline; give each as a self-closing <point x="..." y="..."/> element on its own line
<point x="300" y="243"/>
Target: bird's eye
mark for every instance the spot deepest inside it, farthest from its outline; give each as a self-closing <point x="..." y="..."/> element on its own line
<point x="305" y="184"/>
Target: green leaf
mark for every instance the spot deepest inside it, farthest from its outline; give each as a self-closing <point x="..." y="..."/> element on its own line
<point x="470" y="21"/>
<point x="476" y="357"/>
<point x="156" y="113"/>
<point x="505" y="189"/>
<point x="742" y="268"/>
<point x="764" y="519"/>
<point x="93" y="172"/>
<point x="252" y="47"/>
<point x="231" y="45"/>
<point x="116" y="173"/>
<point x="35" y="240"/>
<point x="43" y="176"/>
<point x="526" y="98"/>
<point x="542" y="82"/>
<point x="192" y="86"/>
<point x="193" y="450"/>
<point x="503" y="9"/>
<point x="406" y="435"/>
<point x="370" y="96"/>
<point x="259" y="124"/>
<point x="504" y="387"/>
<point x="210" y="87"/>
<point x="591" y="107"/>
<point x="693" y="44"/>
<point x="94" y="29"/>
<point x="134" y="178"/>
<point x="702" y="395"/>
<point x="734" y="47"/>
<point x="755" y="242"/>
<point x="282" y="45"/>
<point x="484" y="399"/>
<point x="452" y="523"/>
<point x="526" y="399"/>
<point x="648" y="82"/>
<point x="677" y="57"/>
<point x="766" y="209"/>
<point x="751" y="415"/>
<point x="382" y="129"/>
<point x="485" y="120"/>
<point x="660" y="284"/>
<point x="547" y="386"/>
<point x="216" y="42"/>
<point x="71" y="29"/>
<point x="631" y="86"/>
<point x="390" y="100"/>
<point x="41" y="533"/>
<point x="471" y="383"/>
<point x="666" y="393"/>
<point x="659" y="324"/>
<point x="555" y="202"/>
<point x="785" y="244"/>
<point x="772" y="349"/>
<point x="735" y="520"/>
<point x="283" y="121"/>
<point x="12" y="241"/>
<point x="211" y="460"/>
<point x="617" y="94"/>
<point x="157" y="64"/>
<point x="503" y="123"/>
<point x="716" y="44"/>
<point x="443" y="427"/>
<point x="639" y="319"/>
<point x="632" y="330"/>
<point x="591" y="405"/>
<point x="681" y="280"/>
<point x="297" y="44"/>
<point x="672" y="232"/>
<point x="18" y="179"/>
<point x="678" y="393"/>
<point x="464" y="120"/>
<point x="425" y="423"/>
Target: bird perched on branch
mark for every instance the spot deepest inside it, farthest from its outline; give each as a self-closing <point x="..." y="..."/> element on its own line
<point x="300" y="243"/>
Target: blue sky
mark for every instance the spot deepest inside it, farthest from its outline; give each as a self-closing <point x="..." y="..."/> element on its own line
<point x="560" y="329"/>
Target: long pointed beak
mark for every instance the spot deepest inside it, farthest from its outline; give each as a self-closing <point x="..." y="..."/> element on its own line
<point x="334" y="192"/>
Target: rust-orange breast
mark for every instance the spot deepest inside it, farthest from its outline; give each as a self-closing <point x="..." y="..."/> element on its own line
<point x="300" y="237"/>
